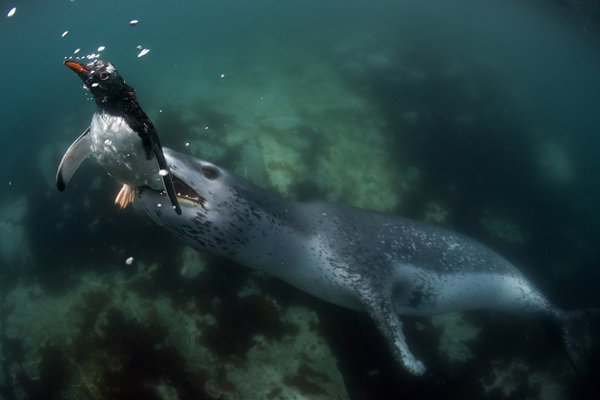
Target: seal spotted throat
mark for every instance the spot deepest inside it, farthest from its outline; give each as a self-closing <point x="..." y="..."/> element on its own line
<point x="121" y="137"/>
<point x="385" y="265"/>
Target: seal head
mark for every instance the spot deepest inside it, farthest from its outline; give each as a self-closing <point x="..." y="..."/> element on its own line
<point x="216" y="205"/>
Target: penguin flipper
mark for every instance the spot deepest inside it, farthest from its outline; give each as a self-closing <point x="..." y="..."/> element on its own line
<point x="167" y="180"/>
<point x="72" y="159"/>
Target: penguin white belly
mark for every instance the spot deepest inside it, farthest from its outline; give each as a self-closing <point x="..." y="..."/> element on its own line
<point x="119" y="149"/>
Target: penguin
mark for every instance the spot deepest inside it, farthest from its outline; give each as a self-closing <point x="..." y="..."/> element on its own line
<point x="121" y="137"/>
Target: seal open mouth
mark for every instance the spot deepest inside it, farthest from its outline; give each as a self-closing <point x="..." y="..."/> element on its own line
<point x="185" y="192"/>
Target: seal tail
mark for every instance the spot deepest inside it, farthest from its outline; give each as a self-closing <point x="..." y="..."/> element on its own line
<point x="575" y="329"/>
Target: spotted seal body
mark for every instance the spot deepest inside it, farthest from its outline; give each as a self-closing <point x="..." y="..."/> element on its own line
<point x="364" y="260"/>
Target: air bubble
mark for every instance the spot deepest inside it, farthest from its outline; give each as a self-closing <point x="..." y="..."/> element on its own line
<point x="163" y="172"/>
<point x="143" y="53"/>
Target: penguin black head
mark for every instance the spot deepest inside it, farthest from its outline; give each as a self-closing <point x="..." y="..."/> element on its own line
<point x="103" y="81"/>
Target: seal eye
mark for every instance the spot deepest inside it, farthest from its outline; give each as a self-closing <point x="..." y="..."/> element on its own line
<point x="103" y="76"/>
<point x="209" y="173"/>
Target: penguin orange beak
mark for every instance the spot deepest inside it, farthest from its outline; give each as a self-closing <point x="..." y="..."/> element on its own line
<point x="75" y="66"/>
<point x="80" y="69"/>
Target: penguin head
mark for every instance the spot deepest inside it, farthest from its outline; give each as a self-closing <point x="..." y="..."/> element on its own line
<point x="103" y="81"/>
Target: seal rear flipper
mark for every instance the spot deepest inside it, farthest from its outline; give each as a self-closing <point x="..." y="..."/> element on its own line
<point x="577" y="335"/>
<point x="390" y="326"/>
<point x="76" y="153"/>
<point x="167" y="180"/>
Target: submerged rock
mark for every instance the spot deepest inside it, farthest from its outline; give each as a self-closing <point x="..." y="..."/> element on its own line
<point x="15" y="250"/>
<point x="503" y="227"/>
<point x="115" y="337"/>
<point x="554" y="164"/>
<point x="456" y="333"/>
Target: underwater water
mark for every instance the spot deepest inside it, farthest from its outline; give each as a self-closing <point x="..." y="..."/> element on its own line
<point x="481" y="116"/>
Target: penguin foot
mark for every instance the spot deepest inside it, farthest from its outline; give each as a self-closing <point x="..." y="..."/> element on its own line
<point x="125" y="196"/>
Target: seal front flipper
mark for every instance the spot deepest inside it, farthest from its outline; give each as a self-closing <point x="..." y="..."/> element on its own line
<point x="166" y="175"/>
<point x="390" y="325"/>
<point x="72" y="159"/>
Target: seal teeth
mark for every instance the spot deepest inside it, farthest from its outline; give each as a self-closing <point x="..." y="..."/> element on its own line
<point x="186" y="192"/>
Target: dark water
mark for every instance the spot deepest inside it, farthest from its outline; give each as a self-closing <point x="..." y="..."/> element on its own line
<point x="478" y="115"/>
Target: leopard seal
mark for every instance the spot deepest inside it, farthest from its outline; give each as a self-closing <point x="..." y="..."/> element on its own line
<point x="382" y="264"/>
